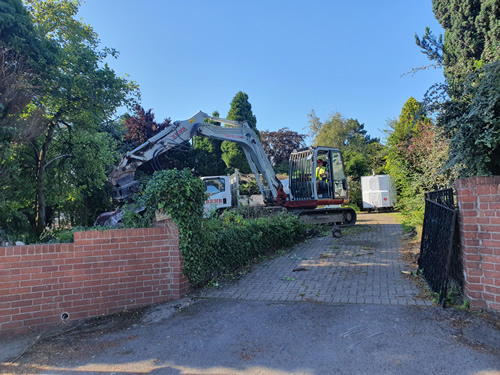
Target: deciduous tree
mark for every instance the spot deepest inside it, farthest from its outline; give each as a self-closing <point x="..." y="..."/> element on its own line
<point x="360" y="152"/>
<point x="350" y="137"/>
<point x="141" y="126"/>
<point x="25" y="58"/>
<point x="278" y="145"/>
<point x="416" y="156"/>
<point x="78" y="93"/>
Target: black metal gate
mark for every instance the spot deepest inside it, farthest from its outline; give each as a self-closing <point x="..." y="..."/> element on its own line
<point x="440" y="255"/>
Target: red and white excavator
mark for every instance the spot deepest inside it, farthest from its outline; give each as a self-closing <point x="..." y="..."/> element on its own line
<point x="303" y="194"/>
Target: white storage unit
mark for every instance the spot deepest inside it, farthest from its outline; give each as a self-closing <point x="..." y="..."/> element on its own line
<point x="378" y="191"/>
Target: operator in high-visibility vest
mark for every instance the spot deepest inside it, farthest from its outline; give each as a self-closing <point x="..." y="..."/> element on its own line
<point x="320" y="170"/>
<point x="320" y="174"/>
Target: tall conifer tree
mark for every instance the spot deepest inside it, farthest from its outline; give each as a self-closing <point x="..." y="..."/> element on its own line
<point x="232" y="154"/>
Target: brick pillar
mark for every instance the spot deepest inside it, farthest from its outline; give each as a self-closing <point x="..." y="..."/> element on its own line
<point x="479" y="215"/>
<point x="180" y="283"/>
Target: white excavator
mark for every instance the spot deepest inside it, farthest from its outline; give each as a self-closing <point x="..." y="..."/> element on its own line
<point x="314" y="195"/>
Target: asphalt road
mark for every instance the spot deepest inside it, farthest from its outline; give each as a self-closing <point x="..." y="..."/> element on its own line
<point x="257" y="337"/>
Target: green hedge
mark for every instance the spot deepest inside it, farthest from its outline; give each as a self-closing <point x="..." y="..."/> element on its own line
<point x="231" y="242"/>
<point x="214" y="245"/>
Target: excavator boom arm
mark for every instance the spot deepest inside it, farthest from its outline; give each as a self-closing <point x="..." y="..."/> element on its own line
<point x="180" y="131"/>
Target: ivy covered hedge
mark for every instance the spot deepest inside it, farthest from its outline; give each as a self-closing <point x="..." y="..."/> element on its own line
<point x="216" y="245"/>
<point x="231" y="242"/>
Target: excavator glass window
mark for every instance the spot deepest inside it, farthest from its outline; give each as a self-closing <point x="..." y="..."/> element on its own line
<point x="339" y="180"/>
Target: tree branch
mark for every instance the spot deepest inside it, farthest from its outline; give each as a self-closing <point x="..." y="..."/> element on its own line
<point x="57" y="158"/>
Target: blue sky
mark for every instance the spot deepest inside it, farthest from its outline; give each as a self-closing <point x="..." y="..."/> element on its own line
<point x="290" y="57"/>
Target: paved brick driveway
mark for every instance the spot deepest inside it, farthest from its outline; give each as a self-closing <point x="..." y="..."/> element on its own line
<point x="360" y="267"/>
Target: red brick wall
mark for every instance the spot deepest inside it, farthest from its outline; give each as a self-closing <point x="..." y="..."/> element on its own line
<point x="102" y="272"/>
<point x="479" y="205"/>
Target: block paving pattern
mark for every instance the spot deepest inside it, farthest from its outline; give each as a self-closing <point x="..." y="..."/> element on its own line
<point x="362" y="267"/>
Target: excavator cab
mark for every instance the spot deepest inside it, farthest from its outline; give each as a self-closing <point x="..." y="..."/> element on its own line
<point x="317" y="174"/>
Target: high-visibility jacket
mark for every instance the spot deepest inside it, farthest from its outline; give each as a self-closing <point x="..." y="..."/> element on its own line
<point x="319" y="172"/>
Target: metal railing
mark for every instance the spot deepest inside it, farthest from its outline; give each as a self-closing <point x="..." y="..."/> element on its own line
<point x="440" y="255"/>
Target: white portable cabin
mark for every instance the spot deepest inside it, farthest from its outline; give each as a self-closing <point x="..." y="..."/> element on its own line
<point x="378" y="191"/>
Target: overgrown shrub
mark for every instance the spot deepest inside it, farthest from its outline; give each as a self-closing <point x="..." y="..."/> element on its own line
<point x="412" y="208"/>
<point x="355" y="194"/>
<point x="181" y="195"/>
<point x="230" y="242"/>
<point x="215" y="245"/>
